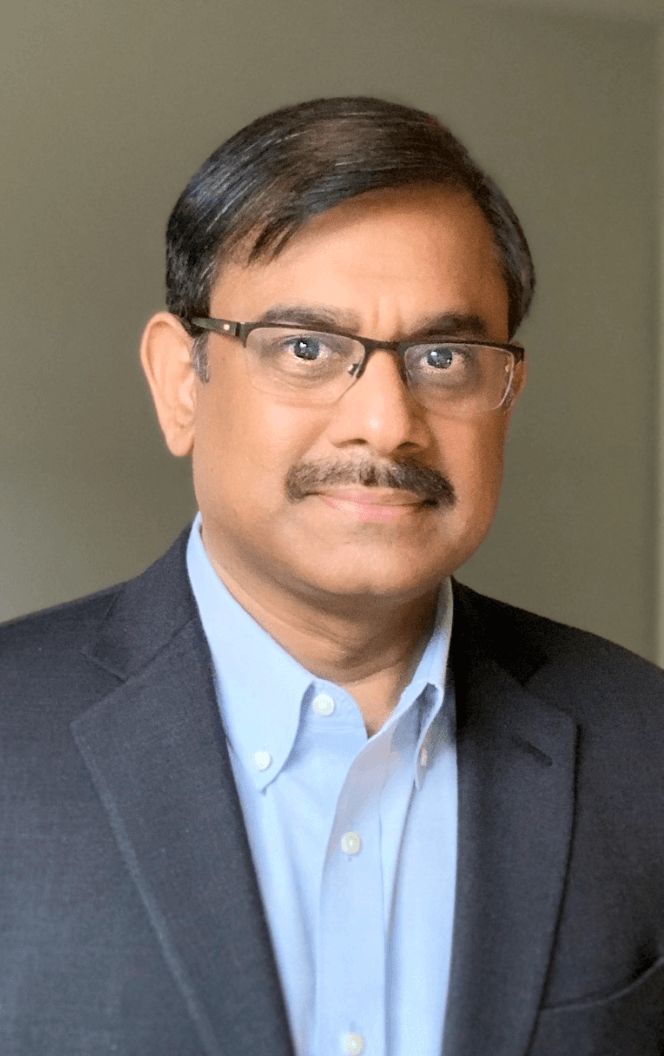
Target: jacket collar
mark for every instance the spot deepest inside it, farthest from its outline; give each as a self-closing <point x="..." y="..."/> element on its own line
<point x="145" y="615"/>
<point x="157" y="753"/>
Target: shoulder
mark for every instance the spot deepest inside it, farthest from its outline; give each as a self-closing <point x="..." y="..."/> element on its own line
<point x="580" y="671"/>
<point x="45" y="675"/>
<point x="67" y="656"/>
<point x="48" y="631"/>
<point x="614" y="699"/>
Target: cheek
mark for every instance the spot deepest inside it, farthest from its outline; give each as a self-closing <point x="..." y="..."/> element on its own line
<point x="473" y="455"/>
<point x="245" y="444"/>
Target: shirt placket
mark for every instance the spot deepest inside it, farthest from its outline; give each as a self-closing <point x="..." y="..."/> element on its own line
<point x="351" y="954"/>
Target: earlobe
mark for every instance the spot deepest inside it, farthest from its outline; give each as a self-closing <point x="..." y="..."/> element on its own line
<point x="166" y="360"/>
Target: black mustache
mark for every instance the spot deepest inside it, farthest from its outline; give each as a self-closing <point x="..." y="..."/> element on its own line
<point x="428" y="484"/>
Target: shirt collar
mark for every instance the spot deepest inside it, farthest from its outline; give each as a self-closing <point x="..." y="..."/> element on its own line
<point x="252" y="670"/>
<point x="429" y="688"/>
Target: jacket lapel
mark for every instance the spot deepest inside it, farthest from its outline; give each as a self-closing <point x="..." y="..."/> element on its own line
<point x="516" y="777"/>
<point x="157" y="753"/>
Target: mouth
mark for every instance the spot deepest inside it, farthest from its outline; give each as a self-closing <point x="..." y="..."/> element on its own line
<point x="374" y="504"/>
<point x="381" y="491"/>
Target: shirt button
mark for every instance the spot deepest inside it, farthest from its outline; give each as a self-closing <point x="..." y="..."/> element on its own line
<point x="322" y="704"/>
<point x="351" y="844"/>
<point x="263" y="760"/>
<point x="353" y="1044"/>
<point x="424" y="757"/>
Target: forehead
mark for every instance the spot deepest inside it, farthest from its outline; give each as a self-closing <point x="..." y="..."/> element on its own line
<point x="384" y="258"/>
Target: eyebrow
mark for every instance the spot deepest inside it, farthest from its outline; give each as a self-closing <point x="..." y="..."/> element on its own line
<point x="326" y="318"/>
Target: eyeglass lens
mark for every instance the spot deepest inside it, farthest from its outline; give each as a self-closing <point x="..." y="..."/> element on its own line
<point x="314" y="367"/>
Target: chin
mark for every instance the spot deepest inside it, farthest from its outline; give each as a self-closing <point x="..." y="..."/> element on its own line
<point x="370" y="582"/>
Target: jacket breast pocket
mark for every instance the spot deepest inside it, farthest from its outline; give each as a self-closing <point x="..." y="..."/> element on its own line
<point x="627" y="1023"/>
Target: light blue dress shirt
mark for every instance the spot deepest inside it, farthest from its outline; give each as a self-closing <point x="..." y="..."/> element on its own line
<point x="353" y="837"/>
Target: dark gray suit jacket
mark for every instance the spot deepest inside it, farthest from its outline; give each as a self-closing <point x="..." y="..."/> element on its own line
<point x="130" y="917"/>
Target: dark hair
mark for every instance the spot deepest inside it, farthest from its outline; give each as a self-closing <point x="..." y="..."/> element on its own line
<point x="261" y="186"/>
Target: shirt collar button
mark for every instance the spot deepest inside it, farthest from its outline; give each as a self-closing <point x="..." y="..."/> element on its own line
<point x="323" y="704"/>
<point x="263" y="760"/>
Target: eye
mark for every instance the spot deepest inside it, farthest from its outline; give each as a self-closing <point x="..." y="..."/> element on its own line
<point x="305" y="347"/>
<point x="301" y="351"/>
<point x="446" y="368"/>
<point x="447" y="357"/>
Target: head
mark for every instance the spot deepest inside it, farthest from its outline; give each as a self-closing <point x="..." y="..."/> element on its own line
<point x="373" y="219"/>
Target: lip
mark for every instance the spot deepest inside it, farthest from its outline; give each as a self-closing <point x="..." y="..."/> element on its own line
<point x="374" y="504"/>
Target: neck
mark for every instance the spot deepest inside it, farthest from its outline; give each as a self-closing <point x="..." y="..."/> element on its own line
<point x="368" y="647"/>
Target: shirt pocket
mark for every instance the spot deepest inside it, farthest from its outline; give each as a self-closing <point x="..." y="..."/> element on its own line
<point x="629" y="1022"/>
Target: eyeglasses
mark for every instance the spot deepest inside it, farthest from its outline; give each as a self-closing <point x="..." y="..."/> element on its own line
<point x="462" y="377"/>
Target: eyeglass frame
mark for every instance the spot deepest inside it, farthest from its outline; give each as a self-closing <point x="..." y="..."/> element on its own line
<point x="241" y="331"/>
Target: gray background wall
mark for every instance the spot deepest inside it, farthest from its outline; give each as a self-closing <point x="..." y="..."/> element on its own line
<point x="109" y="107"/>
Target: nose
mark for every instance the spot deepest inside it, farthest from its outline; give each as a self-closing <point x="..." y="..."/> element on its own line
<point x="378" y="411"/>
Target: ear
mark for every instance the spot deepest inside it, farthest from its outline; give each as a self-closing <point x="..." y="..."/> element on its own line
<point x="166" y="361"/>
<point x="519" y="379"/>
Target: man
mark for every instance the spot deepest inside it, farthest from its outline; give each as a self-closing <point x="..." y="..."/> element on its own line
<point x="293" y="790"/>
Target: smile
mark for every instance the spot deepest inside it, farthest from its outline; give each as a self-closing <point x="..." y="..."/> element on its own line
<point x="373" y="504"/>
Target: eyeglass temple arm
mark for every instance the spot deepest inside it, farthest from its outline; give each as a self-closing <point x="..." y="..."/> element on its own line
<point x="219" y="326"/>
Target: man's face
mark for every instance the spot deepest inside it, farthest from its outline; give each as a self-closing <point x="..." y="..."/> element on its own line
<point x="383" y="265"/>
